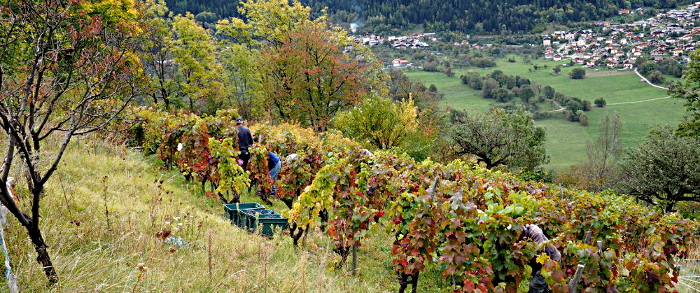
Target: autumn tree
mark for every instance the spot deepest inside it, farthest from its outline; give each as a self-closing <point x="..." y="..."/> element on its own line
<point x="381" y="122"/>
<point x="664" y="170"/>
<point x="309" y="78"/>
<point x="243" y="78"/>
<point x="155" y="50"/>
<point x="67" y="68"/>
<point x="307" y="70"/>
<point x="199" y="72"/>
<point x="266" y="21"/>
<point x="499" y="138"/>
<point x="422" y="143"/>
<point x="265" y="24"/>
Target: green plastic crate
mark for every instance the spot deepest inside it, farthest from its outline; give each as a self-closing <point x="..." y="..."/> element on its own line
<point x="234" y="212"/>
<point x="266" y="221"/>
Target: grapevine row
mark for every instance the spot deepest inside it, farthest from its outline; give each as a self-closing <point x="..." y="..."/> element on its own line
<point x="458" y="217"/>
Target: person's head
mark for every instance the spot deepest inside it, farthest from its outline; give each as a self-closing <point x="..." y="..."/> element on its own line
<point x="239" y="121"/>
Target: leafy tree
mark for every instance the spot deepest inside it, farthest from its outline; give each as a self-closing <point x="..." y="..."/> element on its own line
<point x="68" y="68"/>
<point x="526" y="93"/>
<point x="499" y="138"/>
<point x="156" y="51"/>
<point x="430" y="66"/>
<point x="548" y="92"/>
<point x="199" y="73"/>
<point x="488" y="87"/>
<point x="448" y="72"/>
<point x="266" y="21"/>
<point x="583" y="119"/>
<point x="664" y="170"/>
<point x="646" y="68"/>
<point x="432" y="88"/>
<point x="483" y="62"/>
<point x="574" y="105"/>
<point x="501" y="95"/>
<point x="603" y="153"/>
<point x="473" y="80"/>
<point x="309" y="78"/>
<point x="656" y="77"/>
<point x="243" y="78"/>
<point x="385" y="124"/>
<point x="557" y="69"/>
<point x="690" y="91"/>
<point x="577" y="73"/>
<point x="600" y="102"/>
<point x="420" y="144"/>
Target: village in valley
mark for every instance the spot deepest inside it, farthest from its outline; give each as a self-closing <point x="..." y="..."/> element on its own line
<point x="672" y="34"/>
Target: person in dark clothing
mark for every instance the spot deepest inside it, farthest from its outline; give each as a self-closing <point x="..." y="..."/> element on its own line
<point x="274" y="164"/>
<point x="245" y="140"/>
<point x="537" y="283"/>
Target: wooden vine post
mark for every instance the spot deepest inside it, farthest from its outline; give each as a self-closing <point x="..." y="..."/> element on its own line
<point x="354" y="258"/>
<point x="580" y="267"/>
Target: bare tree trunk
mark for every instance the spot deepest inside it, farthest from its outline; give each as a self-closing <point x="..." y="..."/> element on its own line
<point x="670" y="207"/>
<point x="42" y="254"/>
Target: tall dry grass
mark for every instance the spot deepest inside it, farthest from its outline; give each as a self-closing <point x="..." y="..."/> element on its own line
<point x="104" y="207"/>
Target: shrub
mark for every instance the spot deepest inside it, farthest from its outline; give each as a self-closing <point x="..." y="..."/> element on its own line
<point x="600" y="102"/>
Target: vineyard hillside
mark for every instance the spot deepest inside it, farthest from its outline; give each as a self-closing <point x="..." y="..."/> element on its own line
<point x="145" y="215"/>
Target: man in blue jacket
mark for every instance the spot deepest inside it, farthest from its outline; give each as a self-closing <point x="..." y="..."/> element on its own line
<point x="245" y="140"/>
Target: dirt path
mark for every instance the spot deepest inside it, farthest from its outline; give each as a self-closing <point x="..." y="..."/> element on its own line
<point x="647" y="81"/>
<point x="641" y="101"/>
<point x="620" y="72"/>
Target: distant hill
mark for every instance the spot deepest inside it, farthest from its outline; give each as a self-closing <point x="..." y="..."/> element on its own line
<point x="467" y="16"/>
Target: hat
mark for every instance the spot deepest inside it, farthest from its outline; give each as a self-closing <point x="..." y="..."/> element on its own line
<point x="239" y="120"/>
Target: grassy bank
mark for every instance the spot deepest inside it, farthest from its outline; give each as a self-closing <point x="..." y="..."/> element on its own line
<point x="104" y="206"/>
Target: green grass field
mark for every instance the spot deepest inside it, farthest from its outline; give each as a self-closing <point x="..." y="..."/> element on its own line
<point x="566" y="141"/>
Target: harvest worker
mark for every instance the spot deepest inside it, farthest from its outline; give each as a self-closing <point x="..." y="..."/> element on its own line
<point x="274" y="164"/>
<point x="537" y="283"/>
<point x="245" y="140"/>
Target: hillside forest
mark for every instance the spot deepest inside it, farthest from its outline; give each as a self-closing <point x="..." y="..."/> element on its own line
<point x="468" y="17"/>
<point x="369" y="154"/>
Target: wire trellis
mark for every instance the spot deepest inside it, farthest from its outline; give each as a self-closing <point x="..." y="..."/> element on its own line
<point x="689" y="275"/>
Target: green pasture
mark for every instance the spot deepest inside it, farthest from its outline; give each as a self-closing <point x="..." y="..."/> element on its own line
<point x="566" y="141"/>
<point x="457" y="95"/>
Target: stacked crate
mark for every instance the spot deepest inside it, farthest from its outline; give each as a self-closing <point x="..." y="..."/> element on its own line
<point x="254" y="217"/>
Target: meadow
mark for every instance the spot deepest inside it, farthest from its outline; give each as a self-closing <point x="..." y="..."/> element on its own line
<point x="637" y="103"/>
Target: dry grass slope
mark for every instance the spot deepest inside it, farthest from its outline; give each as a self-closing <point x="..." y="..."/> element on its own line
<point x="101" y="214"/>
